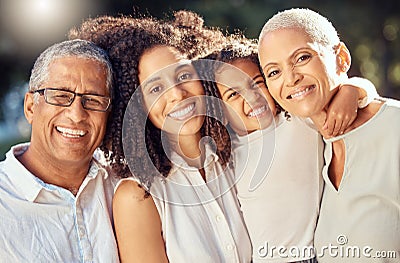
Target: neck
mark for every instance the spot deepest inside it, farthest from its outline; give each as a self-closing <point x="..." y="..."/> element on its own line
<point x="190" y="148"/>
<point x="63" y="174"/>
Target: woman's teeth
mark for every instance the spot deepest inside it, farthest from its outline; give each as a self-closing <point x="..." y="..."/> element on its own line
<point x="181" y="113"/>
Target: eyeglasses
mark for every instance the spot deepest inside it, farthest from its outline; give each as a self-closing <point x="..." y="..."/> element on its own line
<point x="65" y="98"/>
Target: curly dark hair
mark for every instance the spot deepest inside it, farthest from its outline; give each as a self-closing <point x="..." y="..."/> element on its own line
<point x="126" y="39"/>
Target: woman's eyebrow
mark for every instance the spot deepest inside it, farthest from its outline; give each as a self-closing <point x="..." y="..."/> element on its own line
<point x="149" y="81"/>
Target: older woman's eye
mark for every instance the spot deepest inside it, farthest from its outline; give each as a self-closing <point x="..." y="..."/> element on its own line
<point x="304" y="57"/>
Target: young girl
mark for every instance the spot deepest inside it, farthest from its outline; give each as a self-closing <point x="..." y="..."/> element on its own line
<point x="278" y="160"/>
<point x="191" y="215"/>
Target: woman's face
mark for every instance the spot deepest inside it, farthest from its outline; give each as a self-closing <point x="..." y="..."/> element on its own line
<point x="248" y="104"/>
<point x="172" y="91"/>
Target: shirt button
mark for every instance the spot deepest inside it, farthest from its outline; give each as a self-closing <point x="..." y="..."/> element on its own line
<point x="218" y="218"/>
<point x="81" y="231"/>
<point x="229" y="247"/>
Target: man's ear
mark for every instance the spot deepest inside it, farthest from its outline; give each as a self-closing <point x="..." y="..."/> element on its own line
<point x="343" y="58"/>
<point x="29" y="106"/>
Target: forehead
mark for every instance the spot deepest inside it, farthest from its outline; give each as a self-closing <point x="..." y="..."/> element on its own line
<point x="230" y="73"/>
<point x="71" y="72"/>
<point x="283" y="42"/>
<point x="158" y="58"/>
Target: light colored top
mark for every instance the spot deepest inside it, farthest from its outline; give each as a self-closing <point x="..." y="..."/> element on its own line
<point x="285" y="165"/>
<point x="201" y="222"/>
<point x="364" y="213"/>
<point x="46" y="223"/>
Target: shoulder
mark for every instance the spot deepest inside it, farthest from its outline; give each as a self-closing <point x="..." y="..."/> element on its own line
<point x="129" y="189"/>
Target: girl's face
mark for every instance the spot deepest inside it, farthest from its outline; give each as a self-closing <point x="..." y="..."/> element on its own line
<point x="171" y="91"/>
<point x="248" y="104"/>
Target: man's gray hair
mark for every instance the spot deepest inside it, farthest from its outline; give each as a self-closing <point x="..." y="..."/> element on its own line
<point x="70" y="48"/>
<point x="316" y="26"/>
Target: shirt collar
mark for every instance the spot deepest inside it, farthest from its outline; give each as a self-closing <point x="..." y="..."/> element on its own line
<point x="28" y="184"/>
<point x="178" y="162"/>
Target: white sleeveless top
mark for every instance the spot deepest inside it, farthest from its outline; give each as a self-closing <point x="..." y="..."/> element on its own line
<point x="201" y="222"/>
<point x="279" y="188"/>
<point x="364" y="213"/>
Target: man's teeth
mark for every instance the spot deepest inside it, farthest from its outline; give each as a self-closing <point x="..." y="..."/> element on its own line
<point x="181" y="113"/>
<point x="257" y="111"/>
<point x="300" y="93"/>
<point x="72" y="133"/>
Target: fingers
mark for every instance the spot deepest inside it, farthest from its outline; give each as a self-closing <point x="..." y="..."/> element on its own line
<point x="333" y="126"/>
<point x="337" y="124"/>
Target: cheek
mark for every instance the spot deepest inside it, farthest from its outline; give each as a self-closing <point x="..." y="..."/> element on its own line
<point x="274" y="90"/>
<point x="198" y="90"/>
<point x="234" y="109"/>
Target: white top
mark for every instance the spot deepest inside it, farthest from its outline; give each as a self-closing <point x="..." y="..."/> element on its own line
<point x="365" y="210"/>
<point x="280" y="206"/>
<point x="201" y="222"/>
<point x="46" y="223"/>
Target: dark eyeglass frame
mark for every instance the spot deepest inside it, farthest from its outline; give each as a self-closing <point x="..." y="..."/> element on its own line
<point x="84" y="98"/>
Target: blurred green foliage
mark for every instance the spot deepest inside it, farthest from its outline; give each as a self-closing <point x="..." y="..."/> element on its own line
<point x="370" y="29"/>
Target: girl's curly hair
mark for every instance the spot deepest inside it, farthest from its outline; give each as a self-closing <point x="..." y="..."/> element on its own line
<point x="126" y="39"/>
<point x="237" y="47"/>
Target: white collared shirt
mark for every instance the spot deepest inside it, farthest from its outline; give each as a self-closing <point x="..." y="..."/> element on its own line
<point x="201" y="222"/>
<point x="45" y="223"/>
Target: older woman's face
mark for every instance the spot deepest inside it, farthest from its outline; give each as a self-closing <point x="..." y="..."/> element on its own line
<point x="300" y="74"/>
<point x="172" y="93"/>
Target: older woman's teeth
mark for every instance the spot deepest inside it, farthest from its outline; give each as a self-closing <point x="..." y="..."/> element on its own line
<point x="180" y="113"/>
<point x="71" y="133"/>
<point x="300" y="93"/>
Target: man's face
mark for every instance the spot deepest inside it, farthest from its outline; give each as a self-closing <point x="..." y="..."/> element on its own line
<point x="299" y="73"/>
<point x="68" y="134"/>
<point x="248" y="104"/>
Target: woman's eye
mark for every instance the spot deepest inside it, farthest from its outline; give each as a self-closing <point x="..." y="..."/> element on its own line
<point x="184" y="76"/>
<point x="155" y="89"/>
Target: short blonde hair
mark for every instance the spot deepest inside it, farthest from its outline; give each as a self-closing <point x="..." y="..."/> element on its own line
<point x="316" y="26"/>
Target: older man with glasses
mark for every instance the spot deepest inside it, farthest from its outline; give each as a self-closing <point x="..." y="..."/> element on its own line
<point x="55" y="197"/>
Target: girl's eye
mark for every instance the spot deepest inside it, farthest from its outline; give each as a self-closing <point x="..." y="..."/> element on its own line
<point x="232" y="95"/>
<point x="256" y="85"/>
<point x="184" y="76"/>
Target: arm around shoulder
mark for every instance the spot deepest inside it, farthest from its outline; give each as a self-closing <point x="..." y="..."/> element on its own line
<point x="137" y="225"/>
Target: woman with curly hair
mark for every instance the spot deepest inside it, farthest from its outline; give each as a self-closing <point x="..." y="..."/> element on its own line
<point x="172" y="142"/>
